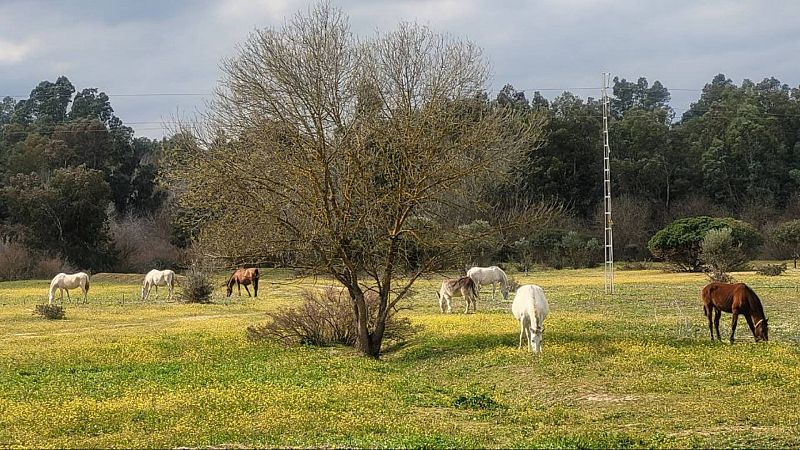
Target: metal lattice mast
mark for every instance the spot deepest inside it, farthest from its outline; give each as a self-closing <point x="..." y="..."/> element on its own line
<point x="608" y="245"/>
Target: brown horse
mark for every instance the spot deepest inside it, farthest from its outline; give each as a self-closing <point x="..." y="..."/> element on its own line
<point x="735" y="299"/>
<point x="243" y="277"/>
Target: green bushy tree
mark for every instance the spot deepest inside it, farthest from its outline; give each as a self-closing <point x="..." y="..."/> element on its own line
<point x="680" y="243"/>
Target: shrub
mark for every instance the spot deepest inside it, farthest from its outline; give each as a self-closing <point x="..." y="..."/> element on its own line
<point x="143" y="243"/>
<point x="197" y="287"/>
<point x="636" y="265"/>
<point x="557" y="248"/>
<point x="680" y="242"/>
<point x="580" y="251"/>
<point x="787" y="235"/>
<point x="326" y="318"/>
<point x="720" y="252"/>
<point x="15" y="261"/>
<point x="48" y="311"/>
<point x="772" y="270"/>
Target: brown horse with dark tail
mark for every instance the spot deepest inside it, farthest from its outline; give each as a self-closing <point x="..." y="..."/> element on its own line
<point x="735" y="299"/>
<point x="243" y="277"/>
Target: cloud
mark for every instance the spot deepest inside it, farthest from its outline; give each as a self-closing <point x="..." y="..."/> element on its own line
<point x="12" y="52"/>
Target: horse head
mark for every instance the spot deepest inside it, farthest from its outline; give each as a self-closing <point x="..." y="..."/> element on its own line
<point x="762" y="330"/>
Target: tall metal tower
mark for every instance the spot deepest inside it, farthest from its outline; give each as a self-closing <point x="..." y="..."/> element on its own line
<point x="608" y="223"/>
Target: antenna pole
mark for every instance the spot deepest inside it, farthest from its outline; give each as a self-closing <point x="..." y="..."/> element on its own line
<point x="608" y="244"/>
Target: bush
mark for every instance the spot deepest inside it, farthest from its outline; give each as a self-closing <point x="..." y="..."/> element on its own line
<point x="197" y="287"/>
<point x="720" y="252"/>
<point x="580" y="251"/>
<point x="772" y="270"/>
<point x="18" y="262"/>
<point x="557" y="248"/>
<point x="326" y="318"/>
<point x="680" y="243"/>
<point x="15" y="261"/>
<point x="48" y="311"/>
<point x="143" y="243"/>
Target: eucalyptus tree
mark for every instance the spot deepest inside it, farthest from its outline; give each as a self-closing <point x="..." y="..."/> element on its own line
<point x="353" y="158"/>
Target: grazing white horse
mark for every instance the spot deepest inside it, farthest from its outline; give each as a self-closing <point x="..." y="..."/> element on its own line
<point x="530" y="308"/>
<point x="460" y="287"/>
<point x="158" y="278"/>
<point x="490" y="275"/>
<point x="64" y="282"/>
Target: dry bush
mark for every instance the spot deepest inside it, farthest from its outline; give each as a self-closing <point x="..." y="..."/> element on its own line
<point x="197" y="287"/>
<point x="771" y="270"/>
<point x="48" y="266"/>
<point x="15" y="261"/>
<point x="326" y="318"/>
<point x="50" y="312"/>
<point x="143" y="243"/>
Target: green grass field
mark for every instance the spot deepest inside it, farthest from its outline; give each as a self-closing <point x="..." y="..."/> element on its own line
<point x="634" y="370"/>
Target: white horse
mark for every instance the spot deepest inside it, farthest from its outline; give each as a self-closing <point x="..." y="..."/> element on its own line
<point x="490" y="275"/>
<point x="460" y="287"/>
<point x="158" y="278"/>
<point x="530" y="308"/>
<point x="64" y="282"/>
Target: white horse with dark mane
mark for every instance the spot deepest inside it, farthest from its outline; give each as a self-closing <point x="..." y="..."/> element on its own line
<point x="490" y="275"/>
<point x="158" y="278"/>
<point x="460" y="287"/>
<point x="530" y="308"/>
<point x="64" y="282"/>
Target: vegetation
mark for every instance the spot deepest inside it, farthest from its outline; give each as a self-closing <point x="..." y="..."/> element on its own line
<point x="721" y="253"/>
<point x="788" y="235"/>
<point x="49" y="311"/>
<point x="772" y="270"/>
<point x="184" y="375"/>
<point x="368" y="175"/>
<point x="326" y="318"/>
<point x="196" y="286"/>
<point x="680" y="243"/>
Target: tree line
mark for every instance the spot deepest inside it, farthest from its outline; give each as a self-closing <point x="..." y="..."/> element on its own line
<point x="71" y="171"/>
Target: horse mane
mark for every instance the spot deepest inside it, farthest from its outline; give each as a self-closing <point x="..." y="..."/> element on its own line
<point x="231" y="278"/>
<point x="754" y="302"/>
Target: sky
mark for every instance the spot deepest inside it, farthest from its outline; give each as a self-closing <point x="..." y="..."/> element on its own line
<point x="157" y="47"/>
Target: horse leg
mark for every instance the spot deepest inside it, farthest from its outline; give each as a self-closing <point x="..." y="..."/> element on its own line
<point x="521" y="333"/>
<point x="733" y="323"/>
<point x="709" y="315"/>
<point x="750" y="324"/>
<point x="85" y="295"/>
<point x="69" y="300"/>
<point x="717" y="315"/>
<point x="155" y="285"/>
<point x="239" y="287"/>
<point x="248" y="290"/>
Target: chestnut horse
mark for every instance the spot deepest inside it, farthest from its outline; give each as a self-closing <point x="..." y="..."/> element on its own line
<point x="735" y="299"/>
<point x="243" y="277"/>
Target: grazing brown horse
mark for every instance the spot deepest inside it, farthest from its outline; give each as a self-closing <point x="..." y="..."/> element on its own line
<point x="735" y="299"/>
<point x="243" y="277"/>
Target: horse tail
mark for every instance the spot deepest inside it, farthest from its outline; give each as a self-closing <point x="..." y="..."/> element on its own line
<point x="87" y="284"/>
<point x="474" y="288"/>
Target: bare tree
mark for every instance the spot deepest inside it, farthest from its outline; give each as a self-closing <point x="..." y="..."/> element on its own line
<point x="357" y="159"/>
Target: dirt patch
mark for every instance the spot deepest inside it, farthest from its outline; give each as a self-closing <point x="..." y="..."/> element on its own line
<point x="607" y="398"/>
